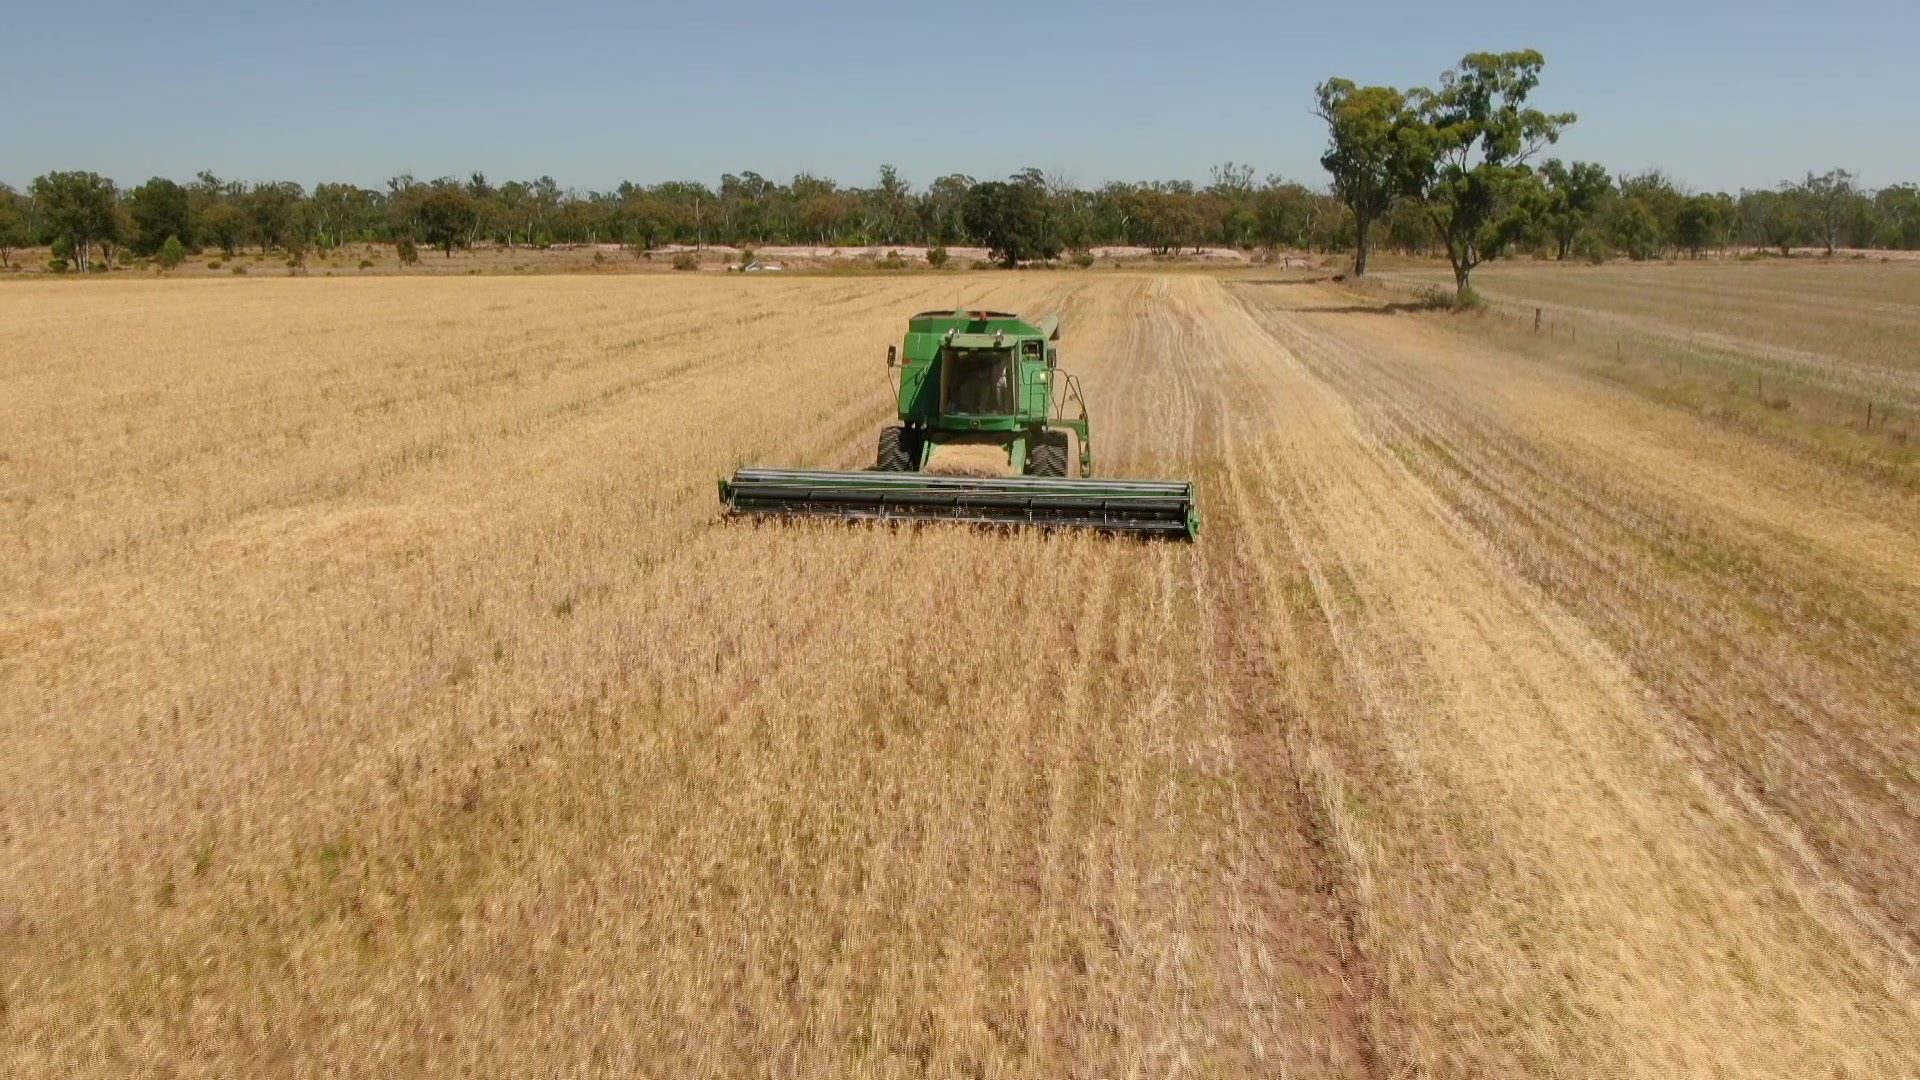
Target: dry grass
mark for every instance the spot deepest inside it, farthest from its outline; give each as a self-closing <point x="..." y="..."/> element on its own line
<point x="1824" y="354"/>
<point x="383" y="697"/>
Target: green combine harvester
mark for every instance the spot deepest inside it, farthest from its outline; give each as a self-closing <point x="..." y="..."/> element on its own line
<point x="977" y="378"/>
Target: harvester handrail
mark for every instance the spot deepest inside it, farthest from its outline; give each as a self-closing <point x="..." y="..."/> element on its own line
<point x="1069" y="391"/>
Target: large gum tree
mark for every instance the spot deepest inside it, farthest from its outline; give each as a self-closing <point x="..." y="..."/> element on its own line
<point x="1470" y="143"/>
<point x="1367" y="152"/>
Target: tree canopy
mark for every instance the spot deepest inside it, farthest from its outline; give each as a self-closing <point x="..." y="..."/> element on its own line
<point x="1371" y="153"/>
<point x="1473" y="139"/>
<point x="80" y="208"/>
<point x="1463" y="184"/>
<point x="1575" y="193"/>
<point x="159" y="208"/>
<point x="1009" y="219"/>
<point x="446" y="217"/>
<point x="13" y="225"/>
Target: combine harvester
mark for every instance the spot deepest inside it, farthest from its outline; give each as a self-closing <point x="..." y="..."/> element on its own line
<point x="976" y="379"/>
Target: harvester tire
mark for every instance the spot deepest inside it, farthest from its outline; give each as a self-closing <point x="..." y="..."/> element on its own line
<point x="1049" y="456"/>
<point x="892" y="455"/>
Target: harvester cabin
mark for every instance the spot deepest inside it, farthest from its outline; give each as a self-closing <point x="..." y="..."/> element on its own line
<point x="977" y="381"/>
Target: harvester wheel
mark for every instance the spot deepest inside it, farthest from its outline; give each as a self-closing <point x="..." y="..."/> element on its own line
<point x="1049" y="456"/>
<point x="892" y="455"/>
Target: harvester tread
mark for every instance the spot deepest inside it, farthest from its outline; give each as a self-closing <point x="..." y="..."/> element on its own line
<point x="892" y="454"/>
<point x="1049" y="455"/>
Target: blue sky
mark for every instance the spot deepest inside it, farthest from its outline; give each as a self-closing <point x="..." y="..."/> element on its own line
<point x="1721" y="94"/>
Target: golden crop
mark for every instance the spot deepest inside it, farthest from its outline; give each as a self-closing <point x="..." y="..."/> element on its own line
<point x="383" y="695"/>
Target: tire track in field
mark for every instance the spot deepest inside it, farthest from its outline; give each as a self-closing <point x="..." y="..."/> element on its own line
<point x="1783" y="640"/>
<point x="1293" y="931"/>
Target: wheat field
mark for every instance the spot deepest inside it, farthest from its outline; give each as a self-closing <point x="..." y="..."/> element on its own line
<point x="383" y="695"/>
<point x="1821" y="353"/>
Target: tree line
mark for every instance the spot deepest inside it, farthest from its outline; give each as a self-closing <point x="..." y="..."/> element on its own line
<point x="1453" y="170"/>
<point x="91" y="221"/>
<point x="1450" y="170"/>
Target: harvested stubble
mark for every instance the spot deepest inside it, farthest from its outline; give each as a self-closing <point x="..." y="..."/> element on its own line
<point x="377" y="702"/>
<point x="968" y="459"/>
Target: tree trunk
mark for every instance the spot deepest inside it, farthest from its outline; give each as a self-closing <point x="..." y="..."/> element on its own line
<point x="1363" y="225"/>
<point x="1461" y="257"/>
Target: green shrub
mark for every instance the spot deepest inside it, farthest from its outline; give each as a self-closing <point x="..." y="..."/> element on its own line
<point x="599" y="258"/>
<point x="407" y="250"/>
<point x="98" y="266"/>
<point x="62" y="249"/>
<point x="366" y="264"/>
<point x="1593" y="247"/>
<point x="893" y="261"/>
<point x="746" y="257"/>
<point x="214" y="264"/>
<point x="58" y="266"/>
<point x="985" y="264"/>
<point x="937" y="256"/>
<point x="172" y="253"/>
<point x="1083" y="259"/>
<point x="686" y="260"/>
<point x="124" y="257"/>
<point x="1437" y="298"/>
<point x="239" y="270"/>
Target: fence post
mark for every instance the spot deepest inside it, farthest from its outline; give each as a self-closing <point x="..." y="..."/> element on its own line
<point x="1536" y="320"/>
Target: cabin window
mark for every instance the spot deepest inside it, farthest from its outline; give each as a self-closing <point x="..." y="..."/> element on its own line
<point x="977" y="382"/>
